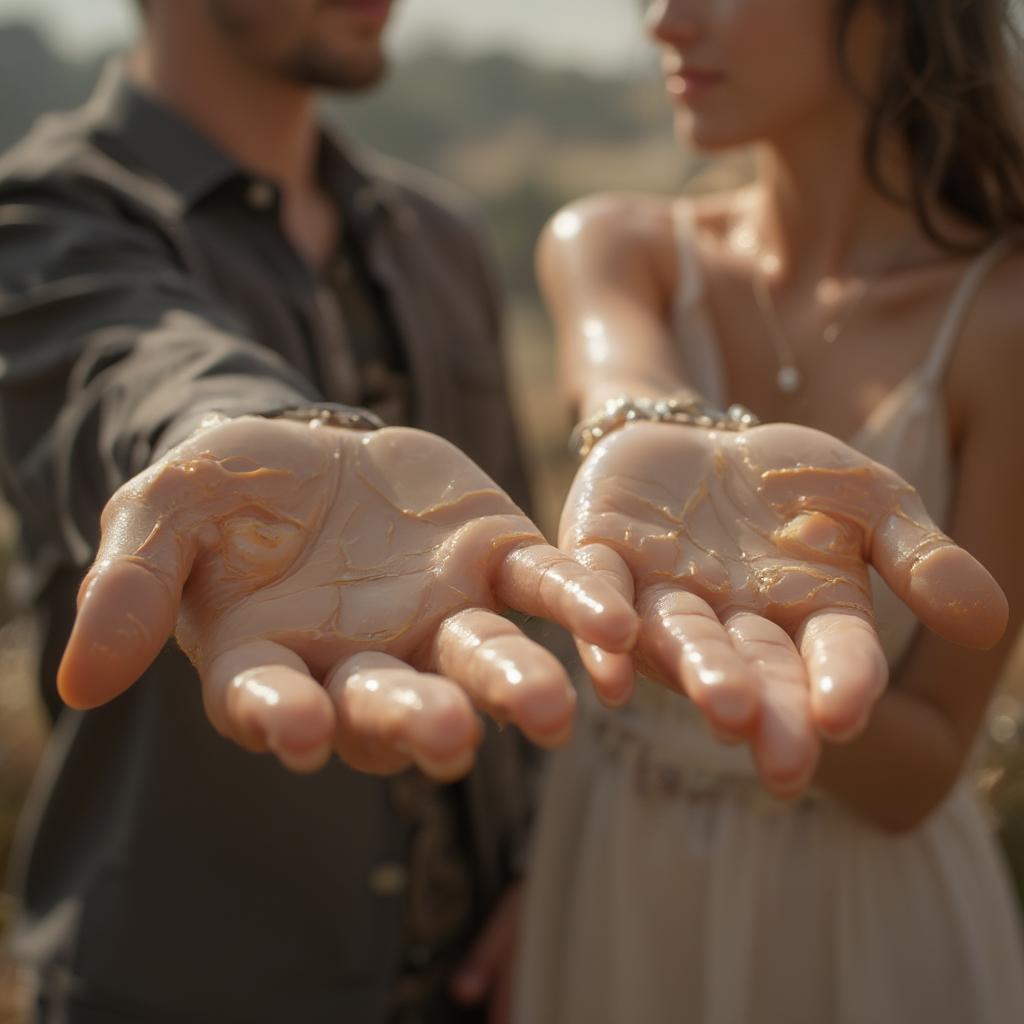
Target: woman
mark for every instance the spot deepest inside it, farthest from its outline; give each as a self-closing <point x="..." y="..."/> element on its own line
<point x="866" y="284"/>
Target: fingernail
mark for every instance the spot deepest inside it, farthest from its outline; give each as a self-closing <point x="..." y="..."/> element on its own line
<point x="303" y="762"/>
<point x="548" y="711"/>
<point x="447" y="769"/>
<point x="845" y="733"/>
<point x="614" y="699"/>
<point x="732" y="706"/>
<point x="791" y="775"/>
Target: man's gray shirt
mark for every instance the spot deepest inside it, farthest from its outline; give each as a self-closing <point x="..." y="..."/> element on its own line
<point x="165" y="874"/>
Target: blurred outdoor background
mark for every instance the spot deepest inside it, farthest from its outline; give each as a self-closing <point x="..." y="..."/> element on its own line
<point x="525" y="105"/>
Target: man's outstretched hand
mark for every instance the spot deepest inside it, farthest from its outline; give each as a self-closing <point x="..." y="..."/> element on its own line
<point x="746" y="555"/>
<point x="336" y="590"/>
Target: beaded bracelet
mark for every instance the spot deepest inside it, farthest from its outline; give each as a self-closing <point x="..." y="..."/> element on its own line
<point x="331" y="416"/>
<point x="623" y="409"/>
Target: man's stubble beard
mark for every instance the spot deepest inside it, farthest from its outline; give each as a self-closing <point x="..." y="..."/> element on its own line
<point x="309" y="64"/>
<point x="323" y="71"/>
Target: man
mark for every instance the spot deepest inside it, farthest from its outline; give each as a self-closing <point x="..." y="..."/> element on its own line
<point x="197" y="287"/>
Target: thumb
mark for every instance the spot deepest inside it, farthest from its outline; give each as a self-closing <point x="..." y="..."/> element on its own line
<point x="944" y="586"/>
<point x="127" y="604"/>
<point x="949" y="590"/>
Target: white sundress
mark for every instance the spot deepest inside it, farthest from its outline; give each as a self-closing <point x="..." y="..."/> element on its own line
<point x="666" y="887"/>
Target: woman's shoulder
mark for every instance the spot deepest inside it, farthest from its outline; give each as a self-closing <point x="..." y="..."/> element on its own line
<point x="987" y="363"/>
<point x="637" y="225"/>
<point x="611" y="238"/>
<point x="715" y="214"/>
<point x="1000" y="302"/>
<point x="634" y="218"/>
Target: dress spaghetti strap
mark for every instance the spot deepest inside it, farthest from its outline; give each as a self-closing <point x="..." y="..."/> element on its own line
<point x="970" y="283"/>
<point x="691" y="282"/>
<point x="691" y="325"/>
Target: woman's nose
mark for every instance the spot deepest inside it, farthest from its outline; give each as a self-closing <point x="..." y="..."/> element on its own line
<point x="676" y="22"/>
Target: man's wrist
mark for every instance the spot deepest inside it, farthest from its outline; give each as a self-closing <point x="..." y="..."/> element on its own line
<point x="329" y="414"/>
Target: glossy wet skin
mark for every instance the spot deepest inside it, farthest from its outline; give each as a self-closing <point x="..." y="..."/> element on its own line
<point x="337" y="590"/>
<point x="779" y="651"/>
<point x="746" y="556"/>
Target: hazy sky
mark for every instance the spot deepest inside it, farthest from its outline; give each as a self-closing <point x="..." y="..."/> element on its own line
<point x="553" y="31"/>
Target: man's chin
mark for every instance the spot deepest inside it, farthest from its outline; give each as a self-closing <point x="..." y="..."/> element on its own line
<point x="345" y="75"/>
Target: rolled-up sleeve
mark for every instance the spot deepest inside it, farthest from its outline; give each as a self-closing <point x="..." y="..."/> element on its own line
<point x="110" y="353"/>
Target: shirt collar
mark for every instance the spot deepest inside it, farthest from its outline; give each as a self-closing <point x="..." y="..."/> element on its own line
<point x="345" y="173"/>
<point x="136" y="126"/>
<point x="152" y="137"/>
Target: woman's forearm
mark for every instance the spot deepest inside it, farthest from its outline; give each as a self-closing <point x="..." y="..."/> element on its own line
<point x="607" y="272"/>
<point x="899" y="769"/>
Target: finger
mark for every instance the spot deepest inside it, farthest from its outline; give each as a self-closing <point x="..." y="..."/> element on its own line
<point x="389" y="716"/>
<point x="612" y="674"/>
<point x="947" y="589"/>
<point x="784" y="743"/>
<point x="488" y="964"/>
<point x="506" y="675"/>
<point x="127" y="606"/>
<point x="262" y="696"/>
<point x="541" y="580"/>
<point x="682" y="638"/>
<point x="847" y="670"/>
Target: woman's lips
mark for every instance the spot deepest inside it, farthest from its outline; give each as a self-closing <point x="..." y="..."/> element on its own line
<point x="689" y="84"/>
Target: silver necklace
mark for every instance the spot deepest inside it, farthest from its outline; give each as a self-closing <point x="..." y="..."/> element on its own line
<point x="788" y="378"/>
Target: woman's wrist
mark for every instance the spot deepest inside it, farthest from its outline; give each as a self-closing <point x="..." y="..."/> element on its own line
<point x="686" y="410"/>
<point x="594" y="398"/>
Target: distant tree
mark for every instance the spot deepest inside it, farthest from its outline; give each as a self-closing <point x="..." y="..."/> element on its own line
<point x="430" y="105"/>
<point x="34" y="80"/>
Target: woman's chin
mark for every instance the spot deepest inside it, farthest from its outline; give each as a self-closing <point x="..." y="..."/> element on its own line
<point x="707" y="135"/>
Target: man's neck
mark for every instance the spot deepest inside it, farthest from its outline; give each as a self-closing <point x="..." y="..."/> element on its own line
<point x="265" y="123"/>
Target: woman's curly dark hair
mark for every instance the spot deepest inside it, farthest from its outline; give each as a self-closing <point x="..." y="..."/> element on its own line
<point x="948" y="92"/>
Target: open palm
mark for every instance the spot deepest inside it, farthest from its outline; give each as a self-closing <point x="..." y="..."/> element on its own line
<point x="335" y="589"/>
<point x="746" y="555"/>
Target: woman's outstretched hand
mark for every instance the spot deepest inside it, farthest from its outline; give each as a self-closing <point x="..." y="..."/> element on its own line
<point x="746" y="556"/>
<point x="336" y="590"/>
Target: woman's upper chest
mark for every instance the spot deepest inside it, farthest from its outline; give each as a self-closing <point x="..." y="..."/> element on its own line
<point x="793" y="356"/>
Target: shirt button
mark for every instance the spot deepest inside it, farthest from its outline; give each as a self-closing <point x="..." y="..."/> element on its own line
<point x="389" y="879"/>
<point x="261" y="195"/>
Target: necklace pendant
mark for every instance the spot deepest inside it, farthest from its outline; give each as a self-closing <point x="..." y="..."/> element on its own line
<point x="788" y="379"/>
<point x="830" y="333"/>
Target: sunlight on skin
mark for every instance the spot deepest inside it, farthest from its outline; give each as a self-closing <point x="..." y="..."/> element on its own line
<point x="279" y="554"/>
<point x="598" y="346"/>
<point x="567" y="224"/>
<point x="747" y="554"/>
